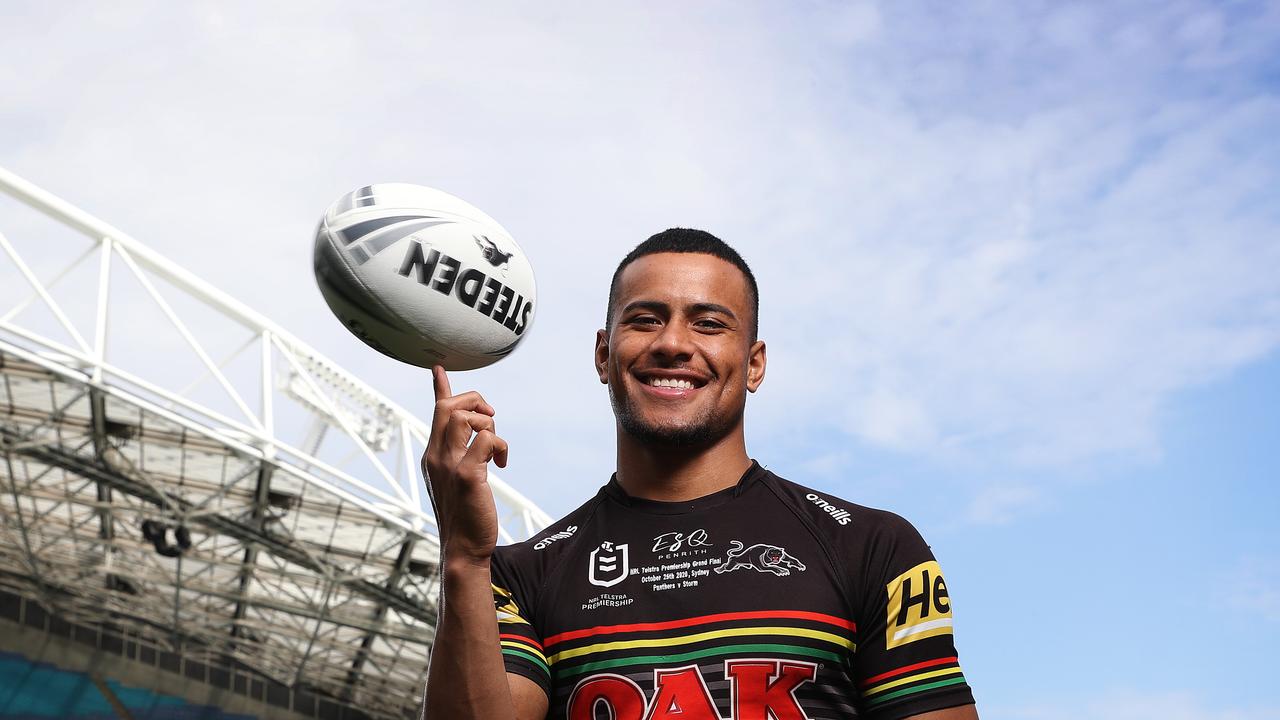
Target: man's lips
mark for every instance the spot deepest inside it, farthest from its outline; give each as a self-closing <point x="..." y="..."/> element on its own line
<point x="670" y="392"/>
<point x="670" y="384"/>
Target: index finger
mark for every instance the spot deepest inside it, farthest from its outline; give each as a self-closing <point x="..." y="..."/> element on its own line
<point x="441" y="382"/>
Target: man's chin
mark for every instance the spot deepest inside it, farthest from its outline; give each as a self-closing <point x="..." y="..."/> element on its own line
<point x="676" y="433"/>
<point x="671" y="435"/>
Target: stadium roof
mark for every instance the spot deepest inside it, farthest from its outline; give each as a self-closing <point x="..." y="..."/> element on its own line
<point x="259" y="514"/>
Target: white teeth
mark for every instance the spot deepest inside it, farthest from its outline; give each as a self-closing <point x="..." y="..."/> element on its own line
<point x="671" y="383"/>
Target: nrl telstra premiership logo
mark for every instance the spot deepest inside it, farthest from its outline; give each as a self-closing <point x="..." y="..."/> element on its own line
<point x="609" y="564"/>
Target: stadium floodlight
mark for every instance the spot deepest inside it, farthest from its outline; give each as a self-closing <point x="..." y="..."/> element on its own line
<point x="243" y="504"/>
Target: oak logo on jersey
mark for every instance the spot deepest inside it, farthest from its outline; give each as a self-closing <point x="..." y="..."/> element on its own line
<point x="610" y="564"/>
<point x="760" y="557"/>
<point x="919" y="606"/>
<point x="758" y="689"/>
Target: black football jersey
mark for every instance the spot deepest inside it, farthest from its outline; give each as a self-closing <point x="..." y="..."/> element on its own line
<point x="762" y="601"/>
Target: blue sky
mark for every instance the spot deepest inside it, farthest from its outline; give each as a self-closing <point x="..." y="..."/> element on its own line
<point x="1017" y="263"/>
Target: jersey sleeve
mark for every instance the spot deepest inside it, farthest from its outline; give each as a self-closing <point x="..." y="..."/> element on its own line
<point x="906" y="661"/>
<point x="513" y="600"/>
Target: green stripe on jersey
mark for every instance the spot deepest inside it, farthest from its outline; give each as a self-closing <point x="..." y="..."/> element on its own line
<point x="697" y="654"/>
<point x="918" y="688"/>
<point x="527" y="656"/>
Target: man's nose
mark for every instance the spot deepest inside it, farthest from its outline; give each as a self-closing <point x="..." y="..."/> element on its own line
<point x="674" y="340"/>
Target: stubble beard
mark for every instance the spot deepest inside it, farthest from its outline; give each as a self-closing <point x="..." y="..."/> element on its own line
<point x="702" y="431"/>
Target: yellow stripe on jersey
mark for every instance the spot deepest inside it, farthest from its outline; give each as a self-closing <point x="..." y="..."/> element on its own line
<point x="525" y="647"/>
<point x="909" y="679"/>
<point x="699" y="637"/>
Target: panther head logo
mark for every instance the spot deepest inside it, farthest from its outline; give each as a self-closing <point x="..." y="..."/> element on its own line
<point x="760" y="557"/>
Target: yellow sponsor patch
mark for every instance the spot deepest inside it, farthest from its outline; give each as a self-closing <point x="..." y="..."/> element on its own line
<point x="508" y="611"/>
<point x="919" y="606"/>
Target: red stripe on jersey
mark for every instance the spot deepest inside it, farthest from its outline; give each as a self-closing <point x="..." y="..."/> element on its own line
<point x="519" y="638"/>
<point x="909" y="668"/>
<point x="701" y="620"/>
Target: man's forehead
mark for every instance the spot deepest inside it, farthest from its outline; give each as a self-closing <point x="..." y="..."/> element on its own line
<point x="695" y="277"/>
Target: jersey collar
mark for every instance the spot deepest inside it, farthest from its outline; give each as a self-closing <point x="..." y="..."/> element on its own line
<point x="613" y="490"/>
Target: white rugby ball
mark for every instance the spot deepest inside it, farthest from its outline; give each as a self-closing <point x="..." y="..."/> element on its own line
<point x="423" y="276"/>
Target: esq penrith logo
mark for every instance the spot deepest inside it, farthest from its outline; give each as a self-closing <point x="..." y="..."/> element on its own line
<point x="469" y="286"/>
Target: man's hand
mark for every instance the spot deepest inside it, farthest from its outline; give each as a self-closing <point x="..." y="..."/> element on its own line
<point x="456" y="467"/>
<point x="467" y="679"/>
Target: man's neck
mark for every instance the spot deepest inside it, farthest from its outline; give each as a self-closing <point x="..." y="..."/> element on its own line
<point x="675" y="474"/>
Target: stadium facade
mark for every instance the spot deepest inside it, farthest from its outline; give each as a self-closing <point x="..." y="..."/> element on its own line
<point x="193" y="502"/>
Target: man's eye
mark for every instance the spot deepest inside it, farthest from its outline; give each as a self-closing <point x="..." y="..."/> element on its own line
<point x="710" y="324"/>
<point x="644" y="320"/>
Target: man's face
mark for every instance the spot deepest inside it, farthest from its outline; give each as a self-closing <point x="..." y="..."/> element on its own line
<point x="679" y="357"/>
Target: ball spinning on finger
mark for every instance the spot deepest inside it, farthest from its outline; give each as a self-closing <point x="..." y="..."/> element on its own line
<point x="424" y="277"/>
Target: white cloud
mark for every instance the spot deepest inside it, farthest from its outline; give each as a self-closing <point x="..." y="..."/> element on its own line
<point x="1012" y="241"/>
<point x="1033" y="287"/>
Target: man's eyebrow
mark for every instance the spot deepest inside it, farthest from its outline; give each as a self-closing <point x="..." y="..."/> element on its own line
<point x="714" y="308"/>
<point x="659" y="306"/>
<point x="653" y="305"/>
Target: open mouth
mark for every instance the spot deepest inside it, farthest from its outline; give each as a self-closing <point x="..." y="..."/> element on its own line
<point x="671" y="382"/>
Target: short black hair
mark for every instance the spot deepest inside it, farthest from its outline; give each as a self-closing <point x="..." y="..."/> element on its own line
<point x="688" y="240"/>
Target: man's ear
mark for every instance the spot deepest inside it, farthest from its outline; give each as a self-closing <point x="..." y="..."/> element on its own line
<point x="755" y="366"/>
<point x="602" y="355"/>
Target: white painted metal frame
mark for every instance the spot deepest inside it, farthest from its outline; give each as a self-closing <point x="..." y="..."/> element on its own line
<point x="334" y="398"/>
<point x="316" y="595"/>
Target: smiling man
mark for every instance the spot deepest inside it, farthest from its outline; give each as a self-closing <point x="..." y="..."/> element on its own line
<point x="696" y="584"/>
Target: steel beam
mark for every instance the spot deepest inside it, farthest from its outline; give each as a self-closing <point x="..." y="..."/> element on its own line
<point x="244" y="532"/>
<point x="98" y="418"/>
<point x="260" y="494"/>
<point x="393" y="581"/>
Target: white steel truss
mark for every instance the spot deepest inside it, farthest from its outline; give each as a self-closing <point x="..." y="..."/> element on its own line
<point x="264" y="512"/>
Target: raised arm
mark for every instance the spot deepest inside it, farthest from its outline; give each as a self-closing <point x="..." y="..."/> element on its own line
<point x="467" y="678"/>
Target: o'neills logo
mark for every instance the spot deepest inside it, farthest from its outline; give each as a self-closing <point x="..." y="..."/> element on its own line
<point x="840" y="515"/>
<point x="469" y="286"/>
<point x="562" y="535"/>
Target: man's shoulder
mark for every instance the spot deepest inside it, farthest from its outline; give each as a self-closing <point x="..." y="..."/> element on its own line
<point x="549" y="543"/>
<point x="829" y="512"/>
